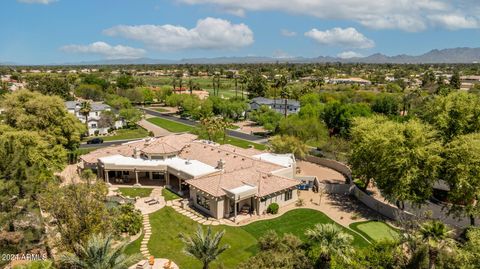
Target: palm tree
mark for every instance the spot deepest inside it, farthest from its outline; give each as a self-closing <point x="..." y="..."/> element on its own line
<point x="98" y="253"/>
<point x="85" y="109"/>
<point x="285" y="94"/>
<point x="190" y="86"/>
<point x="436" y="235"/>
<point x="204" y="246"/>
<point x="332" y="241"/>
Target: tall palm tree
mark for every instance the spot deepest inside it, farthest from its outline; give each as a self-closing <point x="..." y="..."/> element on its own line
<point x="98" y="253"/>
<point x="436" y="235"/>
<point x="85" y="109"/>
<point x="204" y="246"/>
<point x="190" y="86"/>
<point x="332" y="241"/>
<point x="285" y="94"/>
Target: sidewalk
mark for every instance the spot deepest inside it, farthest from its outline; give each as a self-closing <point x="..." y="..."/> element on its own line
<point x="157" y="131"/>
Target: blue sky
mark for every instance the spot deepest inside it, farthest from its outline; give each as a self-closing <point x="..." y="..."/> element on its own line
<point x="59" y="31"/>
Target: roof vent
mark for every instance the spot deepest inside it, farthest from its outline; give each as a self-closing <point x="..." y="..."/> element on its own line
<point x="221" y="164"/>
<point x="187" y="161"/>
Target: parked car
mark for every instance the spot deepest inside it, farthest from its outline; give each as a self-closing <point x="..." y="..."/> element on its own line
<point x="95" y="141"/>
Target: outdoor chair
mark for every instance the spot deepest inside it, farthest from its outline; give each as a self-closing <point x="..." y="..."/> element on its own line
<point x="149" y="200"/>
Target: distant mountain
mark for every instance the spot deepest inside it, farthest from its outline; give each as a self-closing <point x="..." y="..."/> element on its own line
<point x="454" y="55"/>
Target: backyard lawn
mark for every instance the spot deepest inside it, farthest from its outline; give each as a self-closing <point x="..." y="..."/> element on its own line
<point x="134" y="192"/>
<point x="123" y="134"/>
<point x="169" y="195"/>
<point x="171" y="126"/>
<point x="167" y="224"/>
<point x="133" y="247"/>
<point x="243" y="143"/>
<point x="375" y="230"/>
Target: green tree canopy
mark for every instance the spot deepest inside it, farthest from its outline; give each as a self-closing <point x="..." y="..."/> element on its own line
<point x="455" y="114"/>
<point x="402" y="158"/>
<point x="26" y="110"/>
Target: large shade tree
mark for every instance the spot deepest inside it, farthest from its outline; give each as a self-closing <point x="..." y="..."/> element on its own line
<point x="33" y="111"/>
<point x="462" y="174"/>
<point x="455" y="114"/>
<point x="402" y="158"/>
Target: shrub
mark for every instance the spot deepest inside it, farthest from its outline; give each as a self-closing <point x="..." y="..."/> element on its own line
<point x="127" y="219"/>
<point x="272" y="208"/>
<point x="300" y="202"/>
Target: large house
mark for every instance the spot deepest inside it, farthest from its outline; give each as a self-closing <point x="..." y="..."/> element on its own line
<point x="219" y="180"/>
<point x="293" y="106"/>
<point x="94" y="128"/>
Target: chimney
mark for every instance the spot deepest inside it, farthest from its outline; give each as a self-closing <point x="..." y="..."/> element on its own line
<point x="221" y="164"/>
<point x="136" y="153"/>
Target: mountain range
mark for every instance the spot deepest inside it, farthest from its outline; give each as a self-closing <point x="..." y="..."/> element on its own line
<point x="453" y="55"/>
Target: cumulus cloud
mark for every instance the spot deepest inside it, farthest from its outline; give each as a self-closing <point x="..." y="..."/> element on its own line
<point x="287" y="33"/>
<point x="349" y="54"/>
<point x="209" y="33"/>
<point x="348" y="37"/>
<point x="106" y="50"/>
<point x="44" y="2"/>
<point x="407" y="15"/>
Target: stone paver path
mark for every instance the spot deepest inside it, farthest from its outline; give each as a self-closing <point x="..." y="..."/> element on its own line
<point x="159" y="264"/>
<point x="147" y="232"/>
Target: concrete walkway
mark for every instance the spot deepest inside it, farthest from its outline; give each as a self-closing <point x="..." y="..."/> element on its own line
<point x="157" y="130"/>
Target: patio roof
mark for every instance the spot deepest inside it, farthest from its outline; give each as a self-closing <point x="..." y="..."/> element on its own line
<point x="285" y="160"/>
<point x="242" y="192"/>
<point x="190" y="167"/>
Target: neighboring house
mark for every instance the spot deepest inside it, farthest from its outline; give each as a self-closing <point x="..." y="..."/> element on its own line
<point x="358" y="81"/>
<point x="74" y="107"/>
<point x="293" y="106"/>
<point x="220" y="180"/>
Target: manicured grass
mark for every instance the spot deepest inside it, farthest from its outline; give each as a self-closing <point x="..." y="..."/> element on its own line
<point x="134" y="247"/>
<point x="159" y="109"/>
<point x="171" y="126"/>
<point x="296" y="222"/>
<point x="169" y="195"/>
<point x="176" y="127"/>
<point x="83" y="151"/>
<point x="123" y="134"/>
<point x="375" y="230"/>
<point x="243" y="143"/>
<point x="167" y="224"/>
<point x="134" y="192"/>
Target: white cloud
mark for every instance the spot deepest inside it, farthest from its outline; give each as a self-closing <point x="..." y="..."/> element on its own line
<point x="287" y="33"/>
<point x="349" y="54"/>
<point x="106" y="50"/>
<point x="209" y="33"/>
<point x="407" y="15"/>
<point x="44" y="2"/>
<point x="455" y="21"/>
<point x="348" y="37"/>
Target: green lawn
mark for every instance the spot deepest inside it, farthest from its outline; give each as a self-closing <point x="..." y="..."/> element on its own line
<point x="159" y="109"/>
<point x="123" y="134"/>
<point x="134" y="248"/>
<point x="375" y="230"/>
<point x="167" y="224"/>
<point x="243" y="143"/>
<point x="169" y="195"/>
<point x="171" y="126"/>
<point x="176" y="127"/>
<point x="134" y="192"/>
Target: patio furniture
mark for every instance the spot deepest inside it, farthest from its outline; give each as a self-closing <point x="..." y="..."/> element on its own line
<point x="154" y="202"/>
<point x="245" y="210"/>
<point x="149" y="200"/>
